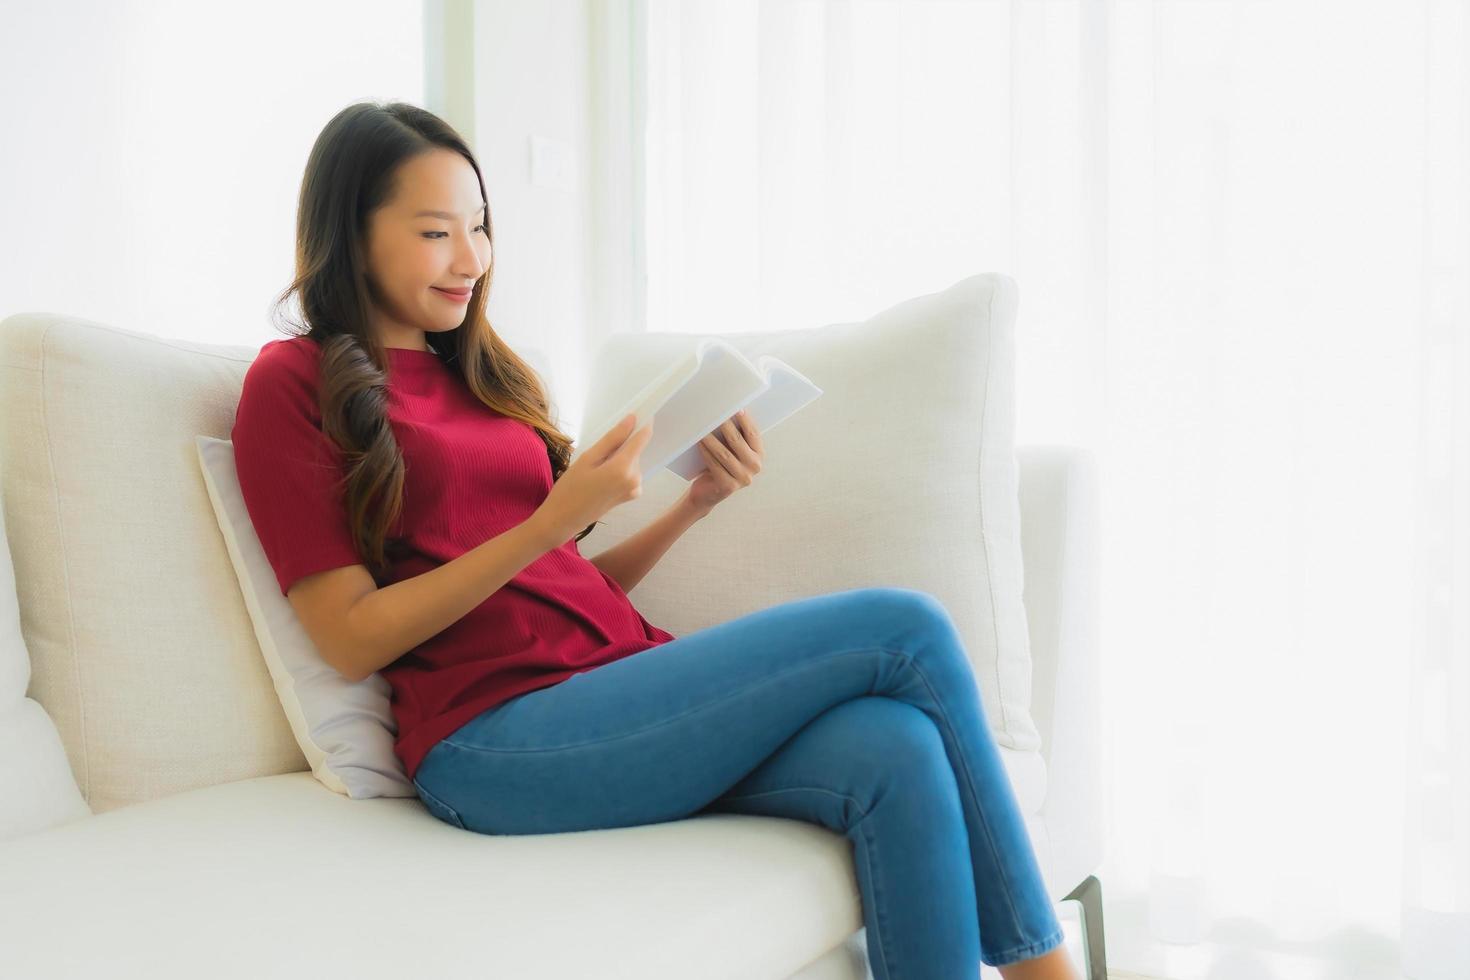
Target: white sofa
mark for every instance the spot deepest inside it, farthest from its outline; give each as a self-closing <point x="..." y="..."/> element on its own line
<point x="162" y="820"/>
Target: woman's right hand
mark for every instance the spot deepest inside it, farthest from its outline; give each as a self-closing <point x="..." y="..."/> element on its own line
<point x="606" y="475"/>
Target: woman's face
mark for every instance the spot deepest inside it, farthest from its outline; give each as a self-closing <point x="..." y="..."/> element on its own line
<point x="415" y="255"/>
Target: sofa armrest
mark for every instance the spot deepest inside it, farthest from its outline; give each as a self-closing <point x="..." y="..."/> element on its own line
<point x="1059" y="530"/>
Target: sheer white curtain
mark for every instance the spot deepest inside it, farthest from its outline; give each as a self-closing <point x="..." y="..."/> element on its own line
<point x="1241" y="232"/>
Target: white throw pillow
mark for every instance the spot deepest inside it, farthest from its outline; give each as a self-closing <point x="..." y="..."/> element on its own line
<point x="903" y="473"/>
<point x="346" y="730"/>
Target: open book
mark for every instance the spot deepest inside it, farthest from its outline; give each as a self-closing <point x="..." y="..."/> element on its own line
<point x="698" y="393"/>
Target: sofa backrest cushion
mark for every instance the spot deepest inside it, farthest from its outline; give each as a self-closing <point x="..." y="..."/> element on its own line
<point x="37" y="790"/>
<point x="141" y="649"/>
<point x="903" y="473"/>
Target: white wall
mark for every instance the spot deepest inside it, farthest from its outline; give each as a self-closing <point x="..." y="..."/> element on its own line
<point x="152" y="154"/>
<point x="531" y="80"/>
<point x="153" y="151"/>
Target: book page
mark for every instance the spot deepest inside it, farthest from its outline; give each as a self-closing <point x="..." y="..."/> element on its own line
<point x="644" y="405"/>
<point x="687" y="400"/>
<point x="725" y="382"/>
<point x="787" y="391"/>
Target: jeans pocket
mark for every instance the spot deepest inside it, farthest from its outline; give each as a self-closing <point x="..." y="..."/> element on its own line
<point x="438" y="807"/>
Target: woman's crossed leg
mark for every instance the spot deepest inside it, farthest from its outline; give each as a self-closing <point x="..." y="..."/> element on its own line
<point x="857" y="710"/>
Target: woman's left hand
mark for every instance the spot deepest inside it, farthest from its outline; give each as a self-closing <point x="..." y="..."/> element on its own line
<point x="729" y="465"/>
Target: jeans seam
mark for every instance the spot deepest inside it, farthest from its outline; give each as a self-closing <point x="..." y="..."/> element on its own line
<point x="802" y="789"/>
<point x="975" y="796"/>
<point x="1031" y="949"/>
<point x="867" y="855"/>
<point x="774" y="678"/>
<point x="436" y="799"/>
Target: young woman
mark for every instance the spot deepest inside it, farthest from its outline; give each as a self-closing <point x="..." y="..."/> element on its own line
<point x="400" y="466"/>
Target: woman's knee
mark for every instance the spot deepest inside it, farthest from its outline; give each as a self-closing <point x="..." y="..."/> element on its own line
<point x="908" y="765"/>
<point x="913" y="606"/>
<point x="894" y="735"/>
<point x="904" y="603"/>
<point x="856" y="756"/>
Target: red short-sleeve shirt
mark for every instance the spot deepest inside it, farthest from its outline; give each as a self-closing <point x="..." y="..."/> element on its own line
<point x="470" y="474"/>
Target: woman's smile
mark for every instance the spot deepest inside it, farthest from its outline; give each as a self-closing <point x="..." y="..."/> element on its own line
<point x="454" y="296"/>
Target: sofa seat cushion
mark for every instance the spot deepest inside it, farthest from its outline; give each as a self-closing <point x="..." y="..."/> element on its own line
<point x="277" y="875"/>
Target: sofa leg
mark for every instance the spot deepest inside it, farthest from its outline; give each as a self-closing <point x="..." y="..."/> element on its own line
<point x="1089" y="893"/>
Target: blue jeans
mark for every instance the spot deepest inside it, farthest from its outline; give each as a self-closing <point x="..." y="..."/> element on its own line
<point x="855" y="710"/>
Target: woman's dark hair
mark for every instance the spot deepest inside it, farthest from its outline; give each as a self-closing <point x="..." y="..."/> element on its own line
<point x="349" y="174"/>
